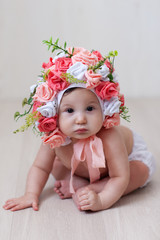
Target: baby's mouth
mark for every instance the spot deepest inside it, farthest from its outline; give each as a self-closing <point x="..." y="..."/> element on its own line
<point x="81" y="130"/>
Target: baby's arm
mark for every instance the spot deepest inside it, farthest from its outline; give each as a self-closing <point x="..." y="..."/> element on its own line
<point x="36" y="180"/>
<point x="118" y="165"/>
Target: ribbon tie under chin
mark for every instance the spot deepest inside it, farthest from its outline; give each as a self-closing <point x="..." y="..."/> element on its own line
<point x="91" y="150"/>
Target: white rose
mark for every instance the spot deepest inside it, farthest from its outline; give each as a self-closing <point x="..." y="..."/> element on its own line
<point x="39" y="82"/>
<point x="104" y="71"/>
<point x="115" y="77"/>
<point x="32" y="88"/>
<point x="59" y="56"/>
<point x="48" y="110"/>
<point x="78" y="70"/>
<point x="112" y="106"/>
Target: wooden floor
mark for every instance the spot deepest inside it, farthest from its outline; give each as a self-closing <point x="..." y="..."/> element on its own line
<point x="134" y="217"/>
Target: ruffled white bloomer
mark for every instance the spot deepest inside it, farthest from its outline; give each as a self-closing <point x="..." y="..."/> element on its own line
<point x="141" y="153"/>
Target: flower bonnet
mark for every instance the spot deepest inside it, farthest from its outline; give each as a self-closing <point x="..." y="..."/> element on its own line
<point x="72" y="67"/>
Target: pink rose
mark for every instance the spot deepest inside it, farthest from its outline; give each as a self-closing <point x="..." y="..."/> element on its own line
<point x="44" y="93"/>
<point x="55" y="82"/>
<point x="107" y="90"/>
<point x="121" y="99"/>
<point x="47" y="124"/>
<point x="76" y="50"/>
<point x="98" y="54"/>
<point x="109" y="65"/>
<point x="112" y="121"/>
<point x="55" y="138"/>
<point x="47" y="71"/>
<point x="93" y="79"/>
<point x="85" y="57"/>
<point x="47" y="65"/>
<point x="62" y="64"/>
<point x="36" y="104"/>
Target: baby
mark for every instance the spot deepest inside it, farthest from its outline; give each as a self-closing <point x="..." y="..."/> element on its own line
<point x="95" y="161"/>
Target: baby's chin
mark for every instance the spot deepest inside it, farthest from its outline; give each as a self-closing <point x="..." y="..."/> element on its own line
<point x="80" y="137"/>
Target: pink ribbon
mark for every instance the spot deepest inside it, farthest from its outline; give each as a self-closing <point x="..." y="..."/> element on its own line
<point x="91" y="150"/>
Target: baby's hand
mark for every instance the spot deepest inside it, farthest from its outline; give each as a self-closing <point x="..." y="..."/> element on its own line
<point x="28" y="200"/>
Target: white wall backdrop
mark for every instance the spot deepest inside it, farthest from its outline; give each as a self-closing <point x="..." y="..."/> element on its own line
<point x="130" y="26"/>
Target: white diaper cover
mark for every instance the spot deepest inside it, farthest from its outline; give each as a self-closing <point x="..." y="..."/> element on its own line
<point x="141" y="153"/>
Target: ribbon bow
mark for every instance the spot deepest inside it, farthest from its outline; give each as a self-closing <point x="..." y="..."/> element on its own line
<point x="91" y="150"/>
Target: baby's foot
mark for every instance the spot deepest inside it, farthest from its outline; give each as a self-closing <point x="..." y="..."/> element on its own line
<point x="87" y="199"/>
<point x="61" y="187"/>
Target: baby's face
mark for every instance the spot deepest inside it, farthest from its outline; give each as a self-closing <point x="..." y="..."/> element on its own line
<point x="80" y="114"/>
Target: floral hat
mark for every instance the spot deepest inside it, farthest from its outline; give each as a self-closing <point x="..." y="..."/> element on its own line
<point x="71" y="67"/>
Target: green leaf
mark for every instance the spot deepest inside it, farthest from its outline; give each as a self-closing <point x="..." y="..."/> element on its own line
<point x="50" y="40"/>
<point x="59" y="53"/>
<point x="65" y="44"/>
<point x="16" y="114"/>
<point x="30" y="100"/>
<point x="72" y="50"/>
<point x="111" y="54"/>
<point x="24" y="102"/>
<point x="53" y="49"/>
<point x="110" y="77"/>
<point x="115" y="53"/>
<point x="56" y="42"/>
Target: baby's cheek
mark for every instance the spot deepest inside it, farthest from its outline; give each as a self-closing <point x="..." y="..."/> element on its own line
<point x="99" y="123"/>
<point x="60" y="123"/>
<point x="64" y="126"/>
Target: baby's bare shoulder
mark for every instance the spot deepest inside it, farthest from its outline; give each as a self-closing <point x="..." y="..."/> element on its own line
<point x="108" y="134"/>
<point x="117" y="136"/>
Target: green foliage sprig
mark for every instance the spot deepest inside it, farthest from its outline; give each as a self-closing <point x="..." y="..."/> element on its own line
<point x="30" y="120"/>
<point x="69" y="78"/>
<point x="111" y="56"/>
<point x="45" y="75"/>
<point x="55" y="47"/>
<point x="28" y="102"/>
<point x="124" y="113"/>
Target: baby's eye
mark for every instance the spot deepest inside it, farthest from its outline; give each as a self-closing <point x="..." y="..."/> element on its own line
<point x="90" y="108"/>
<point x="70" y="110"/>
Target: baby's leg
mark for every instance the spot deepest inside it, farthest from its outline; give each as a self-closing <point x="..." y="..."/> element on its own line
<point x="87" y="198"/>
<point x="139" y="173"/>
<point x="62" y="175"/>
<point x="59" y="171"/>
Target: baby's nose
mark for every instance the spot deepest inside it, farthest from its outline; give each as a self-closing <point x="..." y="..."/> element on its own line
<point x="80" y="118"/>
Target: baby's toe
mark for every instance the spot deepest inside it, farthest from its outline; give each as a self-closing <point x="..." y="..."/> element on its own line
<point x="57" y="184"/>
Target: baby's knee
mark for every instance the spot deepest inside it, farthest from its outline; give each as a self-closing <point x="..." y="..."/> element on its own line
<point x="139" y="172"/>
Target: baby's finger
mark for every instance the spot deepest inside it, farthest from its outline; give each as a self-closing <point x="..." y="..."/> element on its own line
<point x="16" y="208"/>
<point x="35" y="206"/>
<point x="85" y="207"/>
<point x="83" y="197"/>
<point x="9" y="205"/>
<point x="83" y="193"/>
<point x="20" y="207"/>
<point x="84" y="202"/>
<point x="10" y="200"/>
